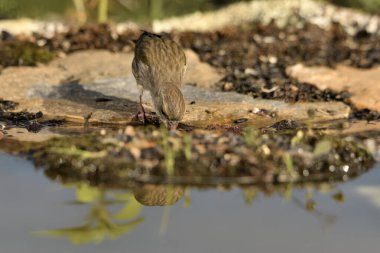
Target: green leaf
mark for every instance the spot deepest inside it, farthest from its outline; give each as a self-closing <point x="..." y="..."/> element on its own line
<point x="87" y="234"/>
<point x="121" y="229"/>
<point x="124" y="196"/>
<point x="77" y="235"/>
<point x="323" y="147"/>
<point x="297" y="138"/>
<point x="81" y="154"/>
<point x="129" y="211"/>
<point x="86" y="193"/>
<point x="288" y="160"/>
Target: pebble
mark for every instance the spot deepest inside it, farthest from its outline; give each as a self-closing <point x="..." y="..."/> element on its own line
<point x="250" y="71"/>
<point x="239" y="121"/>
<point x="228" y="86"/>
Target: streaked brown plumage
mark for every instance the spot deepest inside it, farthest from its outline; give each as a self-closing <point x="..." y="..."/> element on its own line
<point x="157" y="195"/>
<point x="158" y="66"/>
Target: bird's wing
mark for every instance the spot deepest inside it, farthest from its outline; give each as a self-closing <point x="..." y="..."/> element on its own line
<point x="179" y="60"/>
<point x="141" y="72"/>
<point x="184" y="64"/>
<point x="158" y="60"/>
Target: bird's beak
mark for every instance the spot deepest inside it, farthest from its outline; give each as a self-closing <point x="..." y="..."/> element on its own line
<point x="173" y="126"/>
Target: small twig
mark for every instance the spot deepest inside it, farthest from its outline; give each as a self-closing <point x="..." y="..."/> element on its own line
<point x="87" y="119"/>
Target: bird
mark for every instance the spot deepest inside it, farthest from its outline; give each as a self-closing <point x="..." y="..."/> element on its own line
<point x="157" y="195"/>
<point x="159" y="65"/>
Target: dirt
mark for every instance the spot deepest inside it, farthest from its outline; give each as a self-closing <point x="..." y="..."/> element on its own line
<point x="256" y="58"/>
<point x="22" y="52"/>
<point x="285" y="125"/>
<point x="31" y="50"/>
<point x="256" y="44"/>
<point x="7" y="105"/>
<point x="361" y="84"/>
<point x="366" y="114"/>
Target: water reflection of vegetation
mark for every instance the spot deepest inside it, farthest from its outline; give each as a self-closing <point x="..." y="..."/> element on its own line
<point x="101" y="224"/>
<point x="308" y="203"/>
<point x="286" y="191"/>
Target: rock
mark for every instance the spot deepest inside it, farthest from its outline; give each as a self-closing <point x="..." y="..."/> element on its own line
<point x="285" y="125"/>
<point x="361" y="127"/>
<point x="99" y="64"/>
<point x="362" y="84"/>
<point x="100" y="83"/>
<point x="91" y="65"/>
<point x="228" y="86"/>
<point x="199" y="73"/>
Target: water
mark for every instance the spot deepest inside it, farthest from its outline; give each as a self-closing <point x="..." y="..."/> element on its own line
<point x="215" y="221"/>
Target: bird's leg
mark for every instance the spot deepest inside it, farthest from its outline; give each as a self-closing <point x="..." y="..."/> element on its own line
<point x="142" y="111"/>
<point x="140" y="115"/>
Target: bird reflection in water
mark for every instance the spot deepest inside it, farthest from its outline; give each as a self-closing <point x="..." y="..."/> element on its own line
<point x="101" y="223"/>
<point x="158" y="195"/>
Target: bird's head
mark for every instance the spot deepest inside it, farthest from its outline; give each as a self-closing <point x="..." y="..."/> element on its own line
<point x="170" y="106"/>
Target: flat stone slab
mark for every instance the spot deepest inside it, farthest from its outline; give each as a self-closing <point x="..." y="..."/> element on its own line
<point x="363" y="84"/>
<point x="91" y="65"/>
<point x="100" y="83"/>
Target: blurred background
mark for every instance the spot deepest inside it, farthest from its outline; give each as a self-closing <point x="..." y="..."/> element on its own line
<point x="132" y="10"/>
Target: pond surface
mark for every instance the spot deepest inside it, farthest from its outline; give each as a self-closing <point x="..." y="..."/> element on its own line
<point x="214" y="221"/>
